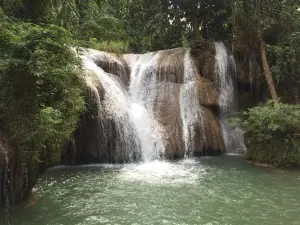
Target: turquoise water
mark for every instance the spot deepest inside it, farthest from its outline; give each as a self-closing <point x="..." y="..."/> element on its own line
<point x="221" y="190"/>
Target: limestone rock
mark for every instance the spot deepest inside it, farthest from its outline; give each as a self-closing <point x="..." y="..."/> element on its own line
<point x="167" y="113"/>
<point x="113" y="64"/>
<point x="213" y="132"/>
<point x="214" y="144"/>
<point x="203" y="54"/>
<point x="208" y="94"/>
<point x="171" y="65"/>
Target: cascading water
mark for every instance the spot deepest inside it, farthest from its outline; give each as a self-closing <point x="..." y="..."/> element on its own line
<point x="190" y="109"/>
<point x="143" y="91"/>
<point x="225" y="70"/>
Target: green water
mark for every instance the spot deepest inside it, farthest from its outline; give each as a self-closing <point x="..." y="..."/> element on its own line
<point x="208" y="191"/>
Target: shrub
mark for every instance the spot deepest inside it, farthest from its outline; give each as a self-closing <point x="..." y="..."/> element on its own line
<point x="272" y="133"/>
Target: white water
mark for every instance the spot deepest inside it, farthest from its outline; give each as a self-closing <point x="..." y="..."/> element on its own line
<point x="225" y="69"/>
<point x="190" y="109"/>
<point x="143" y="92"/>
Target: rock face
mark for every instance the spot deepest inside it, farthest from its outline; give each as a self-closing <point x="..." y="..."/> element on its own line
<point x="15" y="180"/>
<point x="208" y="94"/>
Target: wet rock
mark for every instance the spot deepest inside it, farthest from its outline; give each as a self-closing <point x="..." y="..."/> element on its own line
<point x="171" y="65"/>
<point x="15" y="184"/>
<point x="214" y="144"/>
<point x="112" y="63"/>
<point x="97" y="137"/>
<point x="203" y="53"/>
<point x="208" y="94"/>
<point x="167" y="113"/>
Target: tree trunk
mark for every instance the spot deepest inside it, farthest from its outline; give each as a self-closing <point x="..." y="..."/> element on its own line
<point x="195" y="27"/>
<point x="267" y="71"/>
<point x="263" y="54"/>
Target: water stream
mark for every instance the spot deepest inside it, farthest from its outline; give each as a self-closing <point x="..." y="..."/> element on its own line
<point x="190" y="109"/>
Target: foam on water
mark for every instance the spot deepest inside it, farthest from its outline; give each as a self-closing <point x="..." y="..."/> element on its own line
<point x="161" y="172"/>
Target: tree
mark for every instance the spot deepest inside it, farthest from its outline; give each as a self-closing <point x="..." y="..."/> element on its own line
<point x="206" y="18"/>
<point x="256" y="22"/>
<point x="262" y="46"/>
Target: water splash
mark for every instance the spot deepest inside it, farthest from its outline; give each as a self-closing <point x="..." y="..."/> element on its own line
<point x="225" y="70"/>
<point x="190" y="109"/>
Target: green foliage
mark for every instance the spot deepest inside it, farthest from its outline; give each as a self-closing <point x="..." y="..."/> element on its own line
<point x="272" y="133"/>
<point x="42" y="95"/>
<point x="96" y="22"/>
<point x="86" y="20"/>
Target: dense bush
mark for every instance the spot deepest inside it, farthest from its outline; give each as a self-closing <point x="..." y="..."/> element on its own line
<point x="272" y="133"/>
<point x="41" y="94"/>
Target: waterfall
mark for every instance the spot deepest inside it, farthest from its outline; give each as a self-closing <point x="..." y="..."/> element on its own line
<point x="148" y="105"/>
<point x="190" y="109"/>
<point x="225" y="70"/>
